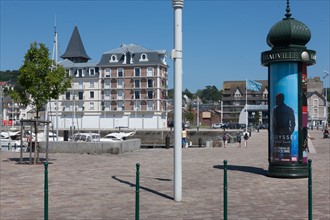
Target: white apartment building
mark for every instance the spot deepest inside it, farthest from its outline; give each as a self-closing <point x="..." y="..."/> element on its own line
<point x="127" y="88"/>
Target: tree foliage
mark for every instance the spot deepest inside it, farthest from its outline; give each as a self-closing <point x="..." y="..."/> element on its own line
<point x="8" y="75"/>
<point x="209" y="94"/>
<point x="40" y="79"/>
<point x="171" y="93"/>
<point x="190" y="114"/>
<point x="188" y="93"/>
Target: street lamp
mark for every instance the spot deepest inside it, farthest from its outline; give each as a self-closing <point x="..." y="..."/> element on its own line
<point x="326" y="74"/>
<point x="221" y="108"/>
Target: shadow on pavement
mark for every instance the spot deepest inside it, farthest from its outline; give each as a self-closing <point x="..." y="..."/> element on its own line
<point x="145" y="188"/>
<point x="27" y="160"/>
<point x="254" y="170"/>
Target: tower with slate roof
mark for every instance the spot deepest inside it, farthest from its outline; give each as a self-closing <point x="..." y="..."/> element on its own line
<point x="75" y="50"/>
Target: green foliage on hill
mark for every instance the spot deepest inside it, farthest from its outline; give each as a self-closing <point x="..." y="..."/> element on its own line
<point x="208" y="94"/>
<point x="8" y="75"/>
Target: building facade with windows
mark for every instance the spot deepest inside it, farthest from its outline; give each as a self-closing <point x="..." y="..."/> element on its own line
<point x="235" y="98"/>
<point x="317" y="111"/>
<point x="127" y="88"/>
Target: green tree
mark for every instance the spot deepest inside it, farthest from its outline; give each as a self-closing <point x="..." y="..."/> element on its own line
<point x="40" y="80"/>
<point x="209" y="94"/>
<point x="170" y="93"/>
<point x="190" y="114"/>
<point x="188" y="93"/>
<point x="8" y="75"/>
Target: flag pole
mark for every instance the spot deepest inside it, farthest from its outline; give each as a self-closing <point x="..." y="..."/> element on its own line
<point x="246" y="110"/>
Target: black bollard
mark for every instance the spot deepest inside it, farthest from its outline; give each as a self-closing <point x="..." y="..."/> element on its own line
<point x="310" y="194"/>
<point x="137" y="192"/>
<point x="199" y="142"/>
<point x="225" y="191"/>
<point x="167" y="142"/>
<point x="46" y="192"/>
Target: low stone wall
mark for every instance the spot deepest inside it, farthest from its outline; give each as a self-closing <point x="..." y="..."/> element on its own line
<point x="90" y="147"/>
<point x="158" y="137"/>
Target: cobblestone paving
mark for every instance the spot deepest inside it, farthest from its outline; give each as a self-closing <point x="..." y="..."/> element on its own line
<point x="83" y="186"/>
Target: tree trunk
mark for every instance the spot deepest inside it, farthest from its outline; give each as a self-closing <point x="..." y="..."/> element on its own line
<point x="36" y="158"/>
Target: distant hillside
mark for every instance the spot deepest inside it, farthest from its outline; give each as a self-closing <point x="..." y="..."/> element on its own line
<point x="8" y="75"/>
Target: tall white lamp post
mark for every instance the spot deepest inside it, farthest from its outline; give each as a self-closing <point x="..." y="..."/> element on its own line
<point x="176" y="54"/>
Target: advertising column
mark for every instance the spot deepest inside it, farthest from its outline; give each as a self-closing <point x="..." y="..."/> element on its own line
<point x="287" y="63"/>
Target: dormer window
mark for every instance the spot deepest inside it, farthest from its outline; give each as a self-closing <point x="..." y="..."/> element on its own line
<point x="164" y="59"/>
<point x="92" y="72"/>
<point x="68" y="72"/>
<point x="128" y="58"/>
<point x="113" y="59"/>
<point x="80" y="73"/>
<point x="143" y="57"/>
<point x="238" y="94"/>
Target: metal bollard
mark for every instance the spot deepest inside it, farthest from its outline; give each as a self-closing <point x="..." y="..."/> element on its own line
<point x="167" y="142"/>
<point x="225" y="188"/>
<point x="199" y="142"/>
<point x="46" y="192"/>
<point x="137" y="191"/>
<point x="310" y="204"/>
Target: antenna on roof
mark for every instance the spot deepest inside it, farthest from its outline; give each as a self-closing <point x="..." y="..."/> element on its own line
<point x="54" y="66"/>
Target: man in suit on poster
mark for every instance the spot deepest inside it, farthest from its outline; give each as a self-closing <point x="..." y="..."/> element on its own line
<point x="283" y="127"/>
<point x="283" y="117"/>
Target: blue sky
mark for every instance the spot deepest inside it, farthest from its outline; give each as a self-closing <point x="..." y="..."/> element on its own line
<point x="222" y="39"/>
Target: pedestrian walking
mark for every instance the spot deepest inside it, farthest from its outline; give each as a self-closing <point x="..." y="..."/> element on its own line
<point x="184" y="138"/>
<point x="246" y="138"/>
<point x="239" y="139"/>
<point x="225" y="140"/>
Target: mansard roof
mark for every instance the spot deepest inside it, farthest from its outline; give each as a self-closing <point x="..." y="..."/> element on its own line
<point x="75" y="50"/>
<point x="132" y="48"/>
<point x="134" y="53"/>
<point x="229" y="87"/>
<point x="69" y="64"/>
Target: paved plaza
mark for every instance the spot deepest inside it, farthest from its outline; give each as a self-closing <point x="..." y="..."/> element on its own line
<point x="102" y="186"/>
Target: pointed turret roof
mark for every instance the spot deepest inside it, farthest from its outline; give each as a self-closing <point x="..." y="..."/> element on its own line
<point x="75" y="50"/>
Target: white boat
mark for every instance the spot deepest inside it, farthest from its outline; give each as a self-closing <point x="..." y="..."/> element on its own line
<point x="11" y="141"/>
<point x="117" y="136"/>
<point x="51" y="136"/>
<point x="86" y="137"/>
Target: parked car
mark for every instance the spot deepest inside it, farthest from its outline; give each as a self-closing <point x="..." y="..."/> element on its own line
<point x="216" y="125"/>
<point x="186" y="125"/>
<point x="225" y="125"/>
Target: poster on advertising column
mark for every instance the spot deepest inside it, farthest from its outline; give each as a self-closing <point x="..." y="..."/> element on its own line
<point x="284" y="112"/>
